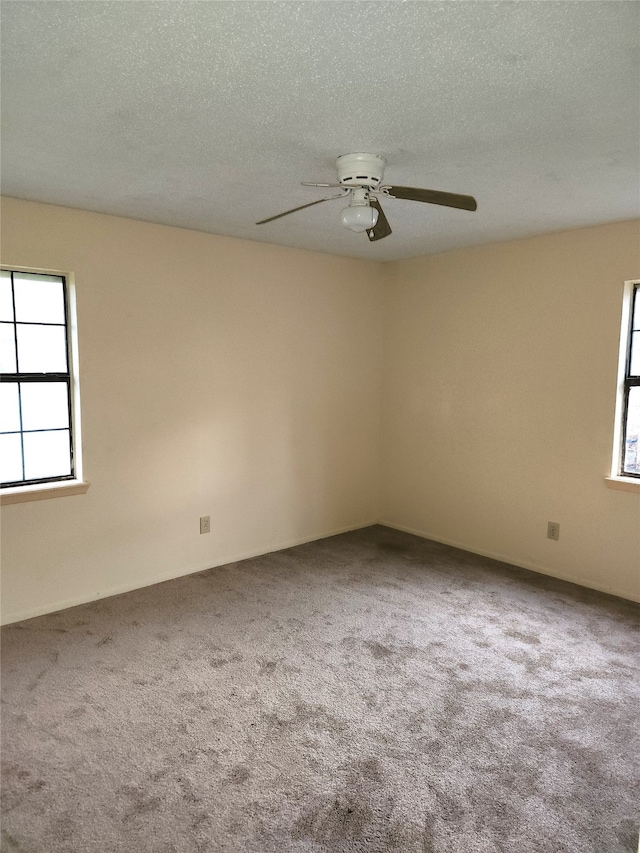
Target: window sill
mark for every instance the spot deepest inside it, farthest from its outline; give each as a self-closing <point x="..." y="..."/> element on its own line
<point x="19" y="494"/>
<point x="626" y="484"/>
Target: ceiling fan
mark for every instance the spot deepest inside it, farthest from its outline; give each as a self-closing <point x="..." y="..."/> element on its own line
<point x="360" y="180"/>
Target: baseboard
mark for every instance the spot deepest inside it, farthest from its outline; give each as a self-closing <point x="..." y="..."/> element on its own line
<point x="504" y="558"/>
<point x="178" y="573"/>
<point x="247" y="555"/>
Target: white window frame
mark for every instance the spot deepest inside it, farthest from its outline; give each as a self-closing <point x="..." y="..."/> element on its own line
<point x="617" y="480"/>
<point x="77" y="485"/>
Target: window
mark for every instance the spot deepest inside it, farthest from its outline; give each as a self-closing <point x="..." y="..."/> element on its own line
<point x="39" y="421"/>
<point x="627" y="451"/>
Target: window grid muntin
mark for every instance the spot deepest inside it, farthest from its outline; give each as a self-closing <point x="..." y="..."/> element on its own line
<point x="629" y="382"/>
<point x="41" y="377"/>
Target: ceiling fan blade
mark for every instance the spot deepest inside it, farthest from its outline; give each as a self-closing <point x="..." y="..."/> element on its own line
<point x="381" y="228"/>
<point x="310" y="184"/>
<point x="294" y="209"/>
<point x="464" y="202"/>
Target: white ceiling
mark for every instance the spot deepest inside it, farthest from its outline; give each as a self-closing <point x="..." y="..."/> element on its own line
<point x="207" y="115"/>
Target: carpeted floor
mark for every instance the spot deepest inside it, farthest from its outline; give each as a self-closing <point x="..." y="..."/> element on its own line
<point x="369" y="692"/>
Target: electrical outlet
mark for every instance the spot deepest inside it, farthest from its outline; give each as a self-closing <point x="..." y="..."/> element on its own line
<point x="205" y="524"/>
<point x="553" y="530"/>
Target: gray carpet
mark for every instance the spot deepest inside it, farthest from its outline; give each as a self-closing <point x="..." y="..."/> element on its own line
<point x="369" y="692"/>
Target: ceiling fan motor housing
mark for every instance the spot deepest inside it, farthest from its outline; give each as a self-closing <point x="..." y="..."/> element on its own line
<point x="360" y="170"/>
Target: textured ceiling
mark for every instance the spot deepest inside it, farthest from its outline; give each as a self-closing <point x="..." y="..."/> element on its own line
<point x="207" y="115"/>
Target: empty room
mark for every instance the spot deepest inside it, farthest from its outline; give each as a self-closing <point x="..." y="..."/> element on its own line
<point x="320" y="426"/>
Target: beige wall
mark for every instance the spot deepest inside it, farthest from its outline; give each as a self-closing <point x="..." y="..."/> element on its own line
<point x="243" y="381"/>
<point x="499" y="388"/>
<point x="218" y="377"/>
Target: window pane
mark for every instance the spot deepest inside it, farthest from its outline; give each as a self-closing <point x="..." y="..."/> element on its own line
<point x="7" y="348"/>
<point x="41" y="349"/>
<point x="44" y="405"/>
<point x="39" y="298"/>
<point x="632" y="444"/>
<point x="634" y="366"/>
<point x="9" y="407"/>
<point x="636" y="310"/>
<point x="10" y="458"/>
<point x="46" y="454"/>
<point x="6" y="302"/>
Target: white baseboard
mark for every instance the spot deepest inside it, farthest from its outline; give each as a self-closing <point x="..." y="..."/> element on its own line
<point x="172" y="575"/>
<point x="503" y="558"/>
<point x="246" y="555"/>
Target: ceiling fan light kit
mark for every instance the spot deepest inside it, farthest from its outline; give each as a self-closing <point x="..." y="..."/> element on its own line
<point x="360" y="178"/>
<point x="360" y="215"/>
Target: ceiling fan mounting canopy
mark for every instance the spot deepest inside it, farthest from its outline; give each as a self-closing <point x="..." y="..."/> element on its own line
<point x="360" y="170"/>
<point x="360" y="180"/>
